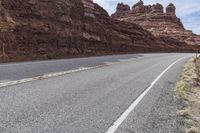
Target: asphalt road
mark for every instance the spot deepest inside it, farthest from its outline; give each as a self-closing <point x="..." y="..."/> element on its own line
<point x="91" y="101"/>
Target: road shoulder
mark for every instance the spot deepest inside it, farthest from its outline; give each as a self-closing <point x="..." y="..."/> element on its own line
<point x="188" y="93"/>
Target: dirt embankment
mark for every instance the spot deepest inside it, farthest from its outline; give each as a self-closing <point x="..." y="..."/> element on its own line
<point x="188" y="92"/>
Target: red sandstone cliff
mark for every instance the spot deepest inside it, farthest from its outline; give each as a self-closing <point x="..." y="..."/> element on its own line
<point x="43" y="28"/>
<point x="39" y="29"/>
<point x="154" y="19"/>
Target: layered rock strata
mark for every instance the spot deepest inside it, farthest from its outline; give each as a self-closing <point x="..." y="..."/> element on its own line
<point x="41" y="29"/>
<point x="162" y="24"/>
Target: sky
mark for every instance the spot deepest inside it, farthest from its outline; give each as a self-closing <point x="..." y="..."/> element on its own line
<point x="187" y="10"/>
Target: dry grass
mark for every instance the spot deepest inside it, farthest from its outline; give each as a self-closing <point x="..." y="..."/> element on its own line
<point x="184" y="112"/>
<point x="182" y="89"/>
<point x="193" y="130"/>
<point x="188" y="91"/>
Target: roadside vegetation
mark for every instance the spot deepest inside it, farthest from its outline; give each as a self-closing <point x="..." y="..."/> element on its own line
<point x="50" y="56"/>
<point x="188" y="93"/>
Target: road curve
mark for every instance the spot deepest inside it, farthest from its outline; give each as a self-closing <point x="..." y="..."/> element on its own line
<point x="90" y="101"/>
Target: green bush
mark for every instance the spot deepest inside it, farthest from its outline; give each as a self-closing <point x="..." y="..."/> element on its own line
<point x="51" y="56"/>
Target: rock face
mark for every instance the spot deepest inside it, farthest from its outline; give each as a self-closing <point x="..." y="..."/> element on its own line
<point x="43" y="28"/>
<point x="103" y="34"/>
<point x="40" y="29"/>
<point x="160" y="23"/>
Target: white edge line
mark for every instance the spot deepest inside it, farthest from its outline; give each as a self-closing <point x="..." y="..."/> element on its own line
<point x="119" y="121"/>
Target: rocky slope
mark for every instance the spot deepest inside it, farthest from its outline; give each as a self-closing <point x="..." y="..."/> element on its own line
<point x="41" y="29"/>
<point x="160" y="23"/>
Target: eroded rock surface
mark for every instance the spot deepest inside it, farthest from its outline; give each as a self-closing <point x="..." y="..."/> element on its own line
<point x="162" y="24"/>
<point x="44" y="28"/>
<point x="41" y="29"/>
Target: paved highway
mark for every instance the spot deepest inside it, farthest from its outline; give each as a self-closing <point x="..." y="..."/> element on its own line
<point x="94" y="100"/>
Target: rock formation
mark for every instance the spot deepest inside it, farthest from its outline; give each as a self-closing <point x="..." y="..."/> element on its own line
<point x="103" y="34"/>
<point x="139" y="4"/>
<point x="171" y="9"/>
<point x="123" y="8"/>
<point x="40" y="29"/>
<point x="157" y="8"/>
<point x="159" y="23"/>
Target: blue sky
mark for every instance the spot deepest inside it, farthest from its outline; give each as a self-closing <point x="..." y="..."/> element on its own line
<point x="187" y="10"/>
